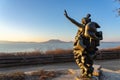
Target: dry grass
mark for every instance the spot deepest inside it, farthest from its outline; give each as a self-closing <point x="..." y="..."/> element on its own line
<point x="43" y="75"/>
<point x="13" y="76"/>
<point x="20" y="54"/>
<point x="59" y="51"/>
<point x="16" y="76"/>
<point x="38" y="75"/>
<point x="112" y="49"/>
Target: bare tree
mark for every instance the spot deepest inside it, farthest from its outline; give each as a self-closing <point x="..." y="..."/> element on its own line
<point x="118" y="9"/>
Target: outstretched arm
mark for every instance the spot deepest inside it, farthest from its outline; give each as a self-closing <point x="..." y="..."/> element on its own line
<point x="72" y="20"/>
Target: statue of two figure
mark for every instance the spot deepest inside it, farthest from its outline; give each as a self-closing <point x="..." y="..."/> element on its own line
<point x="85" y="45"/>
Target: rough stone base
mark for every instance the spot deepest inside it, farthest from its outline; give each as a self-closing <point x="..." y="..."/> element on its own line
<point x="93" y="78"/>
<point x="96" y="74"/>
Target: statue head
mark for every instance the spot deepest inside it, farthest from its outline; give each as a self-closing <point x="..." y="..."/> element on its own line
<point x="86" y="19"/>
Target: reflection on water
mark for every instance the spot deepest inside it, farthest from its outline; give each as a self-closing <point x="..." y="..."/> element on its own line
<point x="19" y="47"/>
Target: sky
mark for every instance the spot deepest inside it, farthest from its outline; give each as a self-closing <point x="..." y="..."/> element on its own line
<point x="42" y="20"/>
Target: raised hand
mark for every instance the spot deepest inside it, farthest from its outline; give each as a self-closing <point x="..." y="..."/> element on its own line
<point x="65" y="13"/>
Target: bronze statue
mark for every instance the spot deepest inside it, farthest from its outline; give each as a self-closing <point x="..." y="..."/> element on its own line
<point x="85" y="46"/>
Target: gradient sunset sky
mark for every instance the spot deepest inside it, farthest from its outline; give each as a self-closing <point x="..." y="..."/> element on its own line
<point x="41" y="20"/>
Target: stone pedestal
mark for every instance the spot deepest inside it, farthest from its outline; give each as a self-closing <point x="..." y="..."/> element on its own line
<point x="96" y="74"/>
<point x="93" y="78"/>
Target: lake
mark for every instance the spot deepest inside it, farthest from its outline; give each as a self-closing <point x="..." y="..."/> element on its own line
<point x="25" y="47"/>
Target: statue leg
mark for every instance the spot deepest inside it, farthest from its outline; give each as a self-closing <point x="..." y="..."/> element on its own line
<point x="87" y="65"/>
<point x="81" y="62"/>
<point x="77" y="57"/>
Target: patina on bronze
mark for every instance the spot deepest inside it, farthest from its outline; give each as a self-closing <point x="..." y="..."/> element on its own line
<point x="85" y="45"/>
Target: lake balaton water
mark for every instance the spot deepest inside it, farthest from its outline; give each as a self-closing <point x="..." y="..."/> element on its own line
<point x="26" y="47"/>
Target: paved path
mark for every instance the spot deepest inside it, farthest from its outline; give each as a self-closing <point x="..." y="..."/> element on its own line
<point x="109" y="64"/>
<point x="113" y="64"/>
<point x="55" y="66"/>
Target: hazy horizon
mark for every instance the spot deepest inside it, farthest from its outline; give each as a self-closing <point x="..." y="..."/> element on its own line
<point x="35" y="41"/>
<point x="46" y="41"/>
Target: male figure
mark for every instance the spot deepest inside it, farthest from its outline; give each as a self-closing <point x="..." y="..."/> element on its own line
<point x="85" y="44"/>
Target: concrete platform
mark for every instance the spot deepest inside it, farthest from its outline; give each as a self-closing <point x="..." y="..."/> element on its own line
<point x="96" y="74"/>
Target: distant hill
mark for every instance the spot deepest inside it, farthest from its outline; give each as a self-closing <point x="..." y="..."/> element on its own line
<point x="49" y="41"/>
<point x="56" y="41"/>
